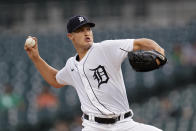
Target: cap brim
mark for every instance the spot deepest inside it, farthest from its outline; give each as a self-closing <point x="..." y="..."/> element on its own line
<point x="88" y="23"/>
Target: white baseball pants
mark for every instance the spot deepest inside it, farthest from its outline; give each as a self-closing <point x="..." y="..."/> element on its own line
<point x="124" y="125"/>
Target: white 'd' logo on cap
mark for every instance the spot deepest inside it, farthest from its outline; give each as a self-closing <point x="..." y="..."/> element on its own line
<point x="81" y="19"/>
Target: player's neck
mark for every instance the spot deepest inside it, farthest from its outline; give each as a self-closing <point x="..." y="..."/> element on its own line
<point x="82" y="52"/>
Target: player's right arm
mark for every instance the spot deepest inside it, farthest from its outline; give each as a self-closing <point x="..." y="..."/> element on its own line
<point x="147" y="44"/>
<point x="48" y="73"/>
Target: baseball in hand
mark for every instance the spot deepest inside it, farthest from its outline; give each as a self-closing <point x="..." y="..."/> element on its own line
<point x="30" y="42"/>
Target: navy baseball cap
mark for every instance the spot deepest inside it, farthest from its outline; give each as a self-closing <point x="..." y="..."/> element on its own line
<point x="76" y="22"/>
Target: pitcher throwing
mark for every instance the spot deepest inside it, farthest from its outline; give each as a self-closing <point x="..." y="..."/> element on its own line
<point x="95" y="73"/>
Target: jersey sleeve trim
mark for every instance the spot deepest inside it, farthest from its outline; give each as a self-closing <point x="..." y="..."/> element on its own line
<point x="60" y="80"/>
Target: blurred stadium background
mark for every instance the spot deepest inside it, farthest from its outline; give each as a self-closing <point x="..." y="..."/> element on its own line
<point x="164" y="98"/>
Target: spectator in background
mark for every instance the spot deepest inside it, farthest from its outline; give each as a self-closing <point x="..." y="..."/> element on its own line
<point x="46" y="99"/>
<point x="194" y="54"/>
<point x="177" y="54"/>
<point x="10" y="105"/>
<point x="187" y="53"/>
<point x="60" y="125"/>
<point x="77" y="123"/>
<point x="184" y="54"/>
<point x="9" y="99"/>
<point x="47" y="104"/>
<point x="165" y="107"/>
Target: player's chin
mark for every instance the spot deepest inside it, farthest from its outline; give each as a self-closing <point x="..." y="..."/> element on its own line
<point x="88" y="42"/>
<point x="87" y="45"/>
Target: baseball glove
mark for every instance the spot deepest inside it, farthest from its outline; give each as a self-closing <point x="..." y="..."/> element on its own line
<point x="143" y="61"/>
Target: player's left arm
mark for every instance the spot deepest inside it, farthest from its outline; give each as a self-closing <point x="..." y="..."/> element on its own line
<point x="147" y="44"/>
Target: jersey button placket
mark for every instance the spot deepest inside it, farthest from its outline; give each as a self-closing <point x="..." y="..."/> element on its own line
<point x="85" y="83"/>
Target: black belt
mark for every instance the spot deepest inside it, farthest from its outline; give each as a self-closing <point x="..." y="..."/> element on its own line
<point x="108" y="120"/>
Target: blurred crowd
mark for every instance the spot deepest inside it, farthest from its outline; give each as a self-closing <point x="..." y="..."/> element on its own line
<point x="13" y="107"/>
<point x="184" y="54"/>
<point x="173" y="111"/>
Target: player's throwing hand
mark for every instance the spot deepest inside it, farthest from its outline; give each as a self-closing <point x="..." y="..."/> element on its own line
<point x="32" y="48"/>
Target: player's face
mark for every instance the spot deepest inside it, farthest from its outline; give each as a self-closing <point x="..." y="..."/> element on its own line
<point x="82" y="37"/>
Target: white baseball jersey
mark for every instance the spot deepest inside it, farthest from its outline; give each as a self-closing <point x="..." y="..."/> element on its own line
<point x="98" y="78"/>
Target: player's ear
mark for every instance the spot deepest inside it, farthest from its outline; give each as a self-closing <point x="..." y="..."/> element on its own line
<point x="70" y="36"/>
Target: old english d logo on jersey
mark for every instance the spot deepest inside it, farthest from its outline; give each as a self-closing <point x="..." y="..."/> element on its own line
<point x="100" y="75"/>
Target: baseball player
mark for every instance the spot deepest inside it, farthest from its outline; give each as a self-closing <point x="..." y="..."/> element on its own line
<point x="95" y="73"/>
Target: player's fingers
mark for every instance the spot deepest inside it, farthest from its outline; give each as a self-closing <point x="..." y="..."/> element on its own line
<point x="158" y="62"/>
<point x="162" y="51"/>
<point x="29" y="48"/>
<point x="35" y="39"/>
<point x="25" y="47"/>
